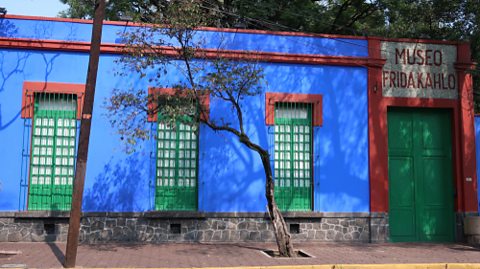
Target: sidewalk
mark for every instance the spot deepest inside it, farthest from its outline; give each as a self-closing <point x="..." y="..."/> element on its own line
<point x="50" y="255"/>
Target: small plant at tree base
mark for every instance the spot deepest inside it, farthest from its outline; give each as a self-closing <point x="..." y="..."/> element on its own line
<point x="171" y="43"/>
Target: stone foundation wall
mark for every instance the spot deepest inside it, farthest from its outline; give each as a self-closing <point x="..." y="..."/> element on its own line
<point x="33" y="230"/>
<point x="124" y="228"/>
<point x="471" y="225"/>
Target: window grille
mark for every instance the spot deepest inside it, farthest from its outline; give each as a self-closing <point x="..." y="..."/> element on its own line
<point x="176" y="173"/>
<point x="292" y="156"/>
<point x="53" y="145"/>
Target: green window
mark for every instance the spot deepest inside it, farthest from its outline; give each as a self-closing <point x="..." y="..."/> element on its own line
<point x="52" y="160"/>
<point x="176" y="178"/>
<point x="293" y="155"/>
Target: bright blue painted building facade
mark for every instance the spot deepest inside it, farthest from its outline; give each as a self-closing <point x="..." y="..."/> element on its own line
<point x="230" y="177"/>
<point x="349" y="161"/>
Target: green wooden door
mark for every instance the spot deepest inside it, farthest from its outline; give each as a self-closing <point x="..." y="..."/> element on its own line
<point x="420" y="175"/>
<point x="293" y="150"/>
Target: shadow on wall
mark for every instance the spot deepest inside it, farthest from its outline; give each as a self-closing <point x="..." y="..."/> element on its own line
<point x="7" y="29"/>
<point x="119" y="186"/>
<point x="285" y="44"/>
<point x="232" y="176"/>
<point x="235" y="178"/>
<point x="6" y="73"/>
<point x="20" y="63"/>
<point x="341" y="143"/>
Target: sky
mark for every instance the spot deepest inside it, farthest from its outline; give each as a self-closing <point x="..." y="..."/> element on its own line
<point x="47" y="8"/>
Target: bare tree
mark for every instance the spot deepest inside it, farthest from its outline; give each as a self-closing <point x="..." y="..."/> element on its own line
<point x="172" y="41"/>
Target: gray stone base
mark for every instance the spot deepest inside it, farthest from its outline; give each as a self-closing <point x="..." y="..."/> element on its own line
<point x="471" y="228"/>
<point x="473" y="240"/>
<point x="179" y="227"/>
<point x="33" y="230"/>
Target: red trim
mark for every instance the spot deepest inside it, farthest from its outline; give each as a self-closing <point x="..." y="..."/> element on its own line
<point x="462" y="132"/>
<point x="36" y="44"/>
<point x="155" y="93"/>
<point x="42" y="18"/>
<point x="467" y="130"/>
<point x="209" y="29"/>
<point x="419" y="40"/>
<point x="55" y="45"/>
<point x="30" y="88"/>
<point x="274" y="97"/>
<point x="376" y="135"/>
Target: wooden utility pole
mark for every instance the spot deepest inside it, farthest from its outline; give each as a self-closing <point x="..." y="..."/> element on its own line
<point x="80" y="171"/>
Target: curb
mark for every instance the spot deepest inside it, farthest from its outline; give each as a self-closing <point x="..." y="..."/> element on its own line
<point x="329" y="266"/>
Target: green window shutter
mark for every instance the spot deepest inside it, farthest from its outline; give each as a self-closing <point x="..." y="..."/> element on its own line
<point x="52" y="160"/>
<point x="293" y="151"/>
<point x="176" y="175"/>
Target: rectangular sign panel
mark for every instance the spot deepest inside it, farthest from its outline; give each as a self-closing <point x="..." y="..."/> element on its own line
<point x="419" y="70"/>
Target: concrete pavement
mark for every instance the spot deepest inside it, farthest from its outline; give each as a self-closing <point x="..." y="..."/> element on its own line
<point x="201" y="255"/>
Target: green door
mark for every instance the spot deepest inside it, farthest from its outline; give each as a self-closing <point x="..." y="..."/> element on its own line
<point x="420" y="175"/>
<point x="293" y="150"/>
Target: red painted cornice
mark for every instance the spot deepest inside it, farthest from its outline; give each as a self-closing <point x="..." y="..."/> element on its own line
<point x="77" y="46"/>
<point x="420" y="41"/>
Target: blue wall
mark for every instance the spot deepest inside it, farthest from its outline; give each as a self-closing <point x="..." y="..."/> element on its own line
<point x="231" y="177"/>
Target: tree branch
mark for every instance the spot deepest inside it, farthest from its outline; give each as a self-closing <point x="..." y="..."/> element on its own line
<point x="238" y="111"/>
<point x="343" y="7"/>
<point x="215" y="127"/>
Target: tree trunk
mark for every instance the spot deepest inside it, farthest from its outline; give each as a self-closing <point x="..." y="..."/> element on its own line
<point x="284" y="243"/>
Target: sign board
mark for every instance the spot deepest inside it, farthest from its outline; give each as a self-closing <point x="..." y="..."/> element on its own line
<point x="419" y="70"/>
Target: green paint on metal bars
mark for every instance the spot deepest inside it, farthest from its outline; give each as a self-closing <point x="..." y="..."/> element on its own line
<point x="293" y="156"/>
<point x="52" y="159"/>
<point x="177" y="155"/>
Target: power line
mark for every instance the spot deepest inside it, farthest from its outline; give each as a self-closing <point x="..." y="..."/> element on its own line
<point x="253" y="2"/>
<point x="267" y="22"/>
<point x="273" y="26"/>
<point x="264" y="23"/>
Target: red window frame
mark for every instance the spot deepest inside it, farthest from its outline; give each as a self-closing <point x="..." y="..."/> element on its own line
<point x="275" y="97"/>
<point x="30" y="88"/>
<point x="204" y="99"/>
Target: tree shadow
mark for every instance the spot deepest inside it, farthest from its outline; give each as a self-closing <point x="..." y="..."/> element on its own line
<point x="57" y="252"/>
<point x="118" y="186"/>
<point x="340" y="144"/>
<point x="113" y="247"/>
<point x="465" y="248"/>
<point x="224" y="157"/>
<point x="7" y="29"/>
<point x="406" y="245"/>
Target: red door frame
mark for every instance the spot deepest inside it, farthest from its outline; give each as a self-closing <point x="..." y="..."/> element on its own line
<point x="463" y="132"/>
